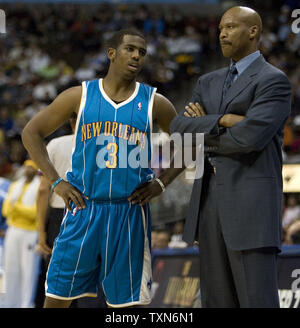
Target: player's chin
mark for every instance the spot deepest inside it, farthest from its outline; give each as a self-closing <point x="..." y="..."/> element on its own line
<point x="131" y="75"/>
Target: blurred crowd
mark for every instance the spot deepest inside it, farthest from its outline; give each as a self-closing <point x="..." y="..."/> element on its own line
<point x="48" y="48"/>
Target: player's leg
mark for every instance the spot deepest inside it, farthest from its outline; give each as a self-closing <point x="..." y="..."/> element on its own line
<point x="74" y="266"/>
<point x="126" y="267"/>
<point x="51" y="302"/>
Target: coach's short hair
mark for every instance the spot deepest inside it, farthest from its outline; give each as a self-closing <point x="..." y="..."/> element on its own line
<point x="117" y="37"/>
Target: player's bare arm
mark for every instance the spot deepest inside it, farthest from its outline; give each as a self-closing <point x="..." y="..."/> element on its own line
<point x="163" y="114"/>
<point x="226" y="121"/>
<point x="43" y="124"/>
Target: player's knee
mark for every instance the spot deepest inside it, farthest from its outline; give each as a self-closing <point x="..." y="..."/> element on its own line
<point x="55" y="303"/>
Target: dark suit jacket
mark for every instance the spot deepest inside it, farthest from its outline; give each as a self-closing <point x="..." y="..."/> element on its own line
<point x="248" y="155"/>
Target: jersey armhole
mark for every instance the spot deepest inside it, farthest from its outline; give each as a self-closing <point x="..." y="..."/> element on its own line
<point x="81" y="106"/>
<point x="80" y="111"/>
<point x="150" y="109"/>
<point x="150" y="116"/>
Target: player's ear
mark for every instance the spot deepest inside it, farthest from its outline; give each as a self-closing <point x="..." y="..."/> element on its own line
<point x="111" y="54"/>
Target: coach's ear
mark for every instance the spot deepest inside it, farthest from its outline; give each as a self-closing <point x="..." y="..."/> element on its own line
<point x="111" y="54"/>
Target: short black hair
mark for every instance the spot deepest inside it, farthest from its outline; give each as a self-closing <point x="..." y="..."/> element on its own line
<point x="117" y="37"/>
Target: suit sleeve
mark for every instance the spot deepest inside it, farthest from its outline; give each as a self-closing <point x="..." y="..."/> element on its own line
<point x="206" y="124"/>
<point x="267" y="113"/>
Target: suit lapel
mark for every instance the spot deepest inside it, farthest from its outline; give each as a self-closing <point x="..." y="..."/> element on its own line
<point x="216" y="87"/>
<point x="242" y="82"/>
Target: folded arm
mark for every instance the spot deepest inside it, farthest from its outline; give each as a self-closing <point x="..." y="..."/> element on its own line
<point x="207" y="124"/>
<point x="267" y="113"/>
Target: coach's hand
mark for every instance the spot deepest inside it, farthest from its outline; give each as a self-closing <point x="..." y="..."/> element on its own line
<point x="145" y="192"/>
<point x="194" y="110"/>
<point x="70" y="194"/>
<point x="229" y="120"/>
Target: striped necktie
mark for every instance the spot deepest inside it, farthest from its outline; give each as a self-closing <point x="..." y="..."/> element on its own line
<point x="229" y="79"/>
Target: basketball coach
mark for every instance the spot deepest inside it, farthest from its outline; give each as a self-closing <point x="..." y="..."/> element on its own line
<point x="235" y="208"/>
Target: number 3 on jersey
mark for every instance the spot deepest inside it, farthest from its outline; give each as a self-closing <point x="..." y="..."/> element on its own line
<point x="112" y="147"/>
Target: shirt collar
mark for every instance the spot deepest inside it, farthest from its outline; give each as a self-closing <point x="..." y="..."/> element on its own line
<point x="243" y="63"/>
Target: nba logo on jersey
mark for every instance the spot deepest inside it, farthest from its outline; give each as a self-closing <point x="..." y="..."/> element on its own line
<point x="74" y="211"/>
<point x="139" y="106"/>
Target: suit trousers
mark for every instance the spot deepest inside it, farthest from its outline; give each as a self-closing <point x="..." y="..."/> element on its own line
<point x="231" y="278"/>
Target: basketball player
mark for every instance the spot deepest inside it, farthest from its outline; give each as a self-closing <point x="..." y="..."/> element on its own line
<point x="105" y="234"/>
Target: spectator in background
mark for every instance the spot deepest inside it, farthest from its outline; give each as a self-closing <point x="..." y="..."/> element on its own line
<point x="21" y="261"/>
<point x="288" y="135"/>
<point x="153" y="239"/>
<point x="162" y="239"/>
<point x="50" y="71"/>
<point x="292" y="235"/>
<point x="6" y="121"/>
<point x="38" y="59"/>
<point x="33" y="108"/>
<point x="176" y="236"/>
<point x="85" y="72"/>
<point x="154" y="23"/>
<point x="16" y="157"/>
<point x="45" y="91"/>
<point x="292" y="211"/>
<point x="4" y="185"/>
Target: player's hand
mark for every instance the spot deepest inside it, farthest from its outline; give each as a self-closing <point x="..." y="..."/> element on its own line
<point x="194" y="110"/>
<point x="229" y="120"/>
<point x="145" y="192"/>
<point x="42" y="246"/>
<point x="70" y="194"/>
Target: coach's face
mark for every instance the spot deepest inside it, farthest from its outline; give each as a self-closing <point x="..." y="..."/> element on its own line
<point x="236" y="36"/>
<point x="130" y="55"/>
